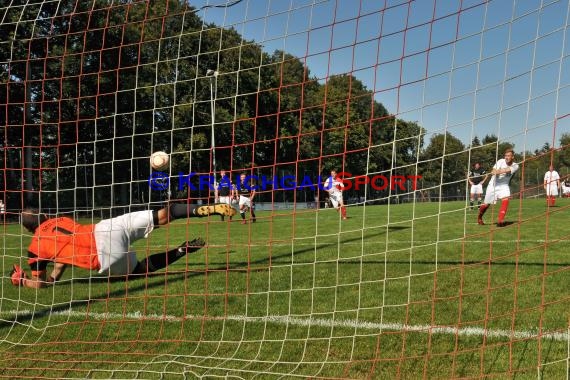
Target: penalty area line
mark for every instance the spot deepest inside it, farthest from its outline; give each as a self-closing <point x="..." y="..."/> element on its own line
<point x="296" y="321"/>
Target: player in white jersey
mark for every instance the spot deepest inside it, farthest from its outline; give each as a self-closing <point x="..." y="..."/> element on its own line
<point x="551" y="185"/>
<point x="498" y="187"/>
<point x="334" y="186"/>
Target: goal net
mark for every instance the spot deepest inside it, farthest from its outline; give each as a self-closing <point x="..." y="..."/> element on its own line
<point x="388" y="270"/>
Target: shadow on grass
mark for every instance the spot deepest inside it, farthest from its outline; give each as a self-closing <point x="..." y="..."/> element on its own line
<point x="311" y="249"/>
<point x="505" y="224"/>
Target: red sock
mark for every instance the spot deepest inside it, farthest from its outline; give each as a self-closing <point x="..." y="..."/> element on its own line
<point x="343" y="211"/>
<point x="482" y="209"/>
<point x="503" y="210"/>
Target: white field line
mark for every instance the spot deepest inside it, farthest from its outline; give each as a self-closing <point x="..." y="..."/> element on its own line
<point x="374" y="327"/>
<point x="369" y="241"/>
<point x="416" y="243"/>
<point x="303" y="242"/>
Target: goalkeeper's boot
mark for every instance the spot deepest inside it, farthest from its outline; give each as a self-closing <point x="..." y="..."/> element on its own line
<point x="218" y="209"/>
<point x="191" y="246"/>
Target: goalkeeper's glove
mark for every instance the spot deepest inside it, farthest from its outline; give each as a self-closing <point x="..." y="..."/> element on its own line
<point x="17" y="275"/>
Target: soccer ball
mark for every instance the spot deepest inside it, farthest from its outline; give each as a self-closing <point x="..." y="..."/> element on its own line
<point x="159" y="160"/>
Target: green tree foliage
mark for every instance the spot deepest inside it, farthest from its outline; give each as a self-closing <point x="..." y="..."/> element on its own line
<point x="92" y="89"/>
<point x="444" y="165"/>
<point x="564" y="156"/>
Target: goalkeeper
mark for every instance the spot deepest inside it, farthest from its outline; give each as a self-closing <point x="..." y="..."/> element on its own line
<point x="103" y="246"/>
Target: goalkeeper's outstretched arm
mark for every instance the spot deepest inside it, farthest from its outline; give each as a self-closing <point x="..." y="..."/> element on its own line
<point x="38" y="278"/>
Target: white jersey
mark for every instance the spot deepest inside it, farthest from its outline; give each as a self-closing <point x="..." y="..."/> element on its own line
<point x="551" y="178"/>
<point x="334" y="186"/>
<point x="503" y="180"/>
<point x="498" y="187"/>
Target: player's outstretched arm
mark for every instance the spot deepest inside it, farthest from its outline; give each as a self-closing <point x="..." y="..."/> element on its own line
<point x="34" y="282"/>
<point x="37" y="280"/>
<point x="501" y="171"/>
<point x="57" y="272"/>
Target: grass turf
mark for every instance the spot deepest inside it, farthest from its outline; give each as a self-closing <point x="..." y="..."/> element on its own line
<point x="410" y="290"/>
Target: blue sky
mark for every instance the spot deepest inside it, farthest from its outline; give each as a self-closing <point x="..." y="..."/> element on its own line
<point x="470" y="67"/>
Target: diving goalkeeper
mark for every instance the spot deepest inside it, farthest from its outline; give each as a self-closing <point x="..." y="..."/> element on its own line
<point x="103" y="246"/>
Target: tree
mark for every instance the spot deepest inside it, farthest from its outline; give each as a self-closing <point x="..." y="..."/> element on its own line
<point x="564" y="154"/>
<point x="108" y="89"/>
<point x="444" y="165"/>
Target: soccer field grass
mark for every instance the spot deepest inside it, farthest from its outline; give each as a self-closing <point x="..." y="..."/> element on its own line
<point x="408" y="291"/>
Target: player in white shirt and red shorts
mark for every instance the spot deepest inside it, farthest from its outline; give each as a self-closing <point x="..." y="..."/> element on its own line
<point x="334" y="186"/>
<point x="498" y="187"/>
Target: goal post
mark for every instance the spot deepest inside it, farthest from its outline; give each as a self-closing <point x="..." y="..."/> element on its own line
<point x="359" y="247"/>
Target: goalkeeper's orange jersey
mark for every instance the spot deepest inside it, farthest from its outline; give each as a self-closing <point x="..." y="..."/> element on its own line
<point x="62" y="240"/>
